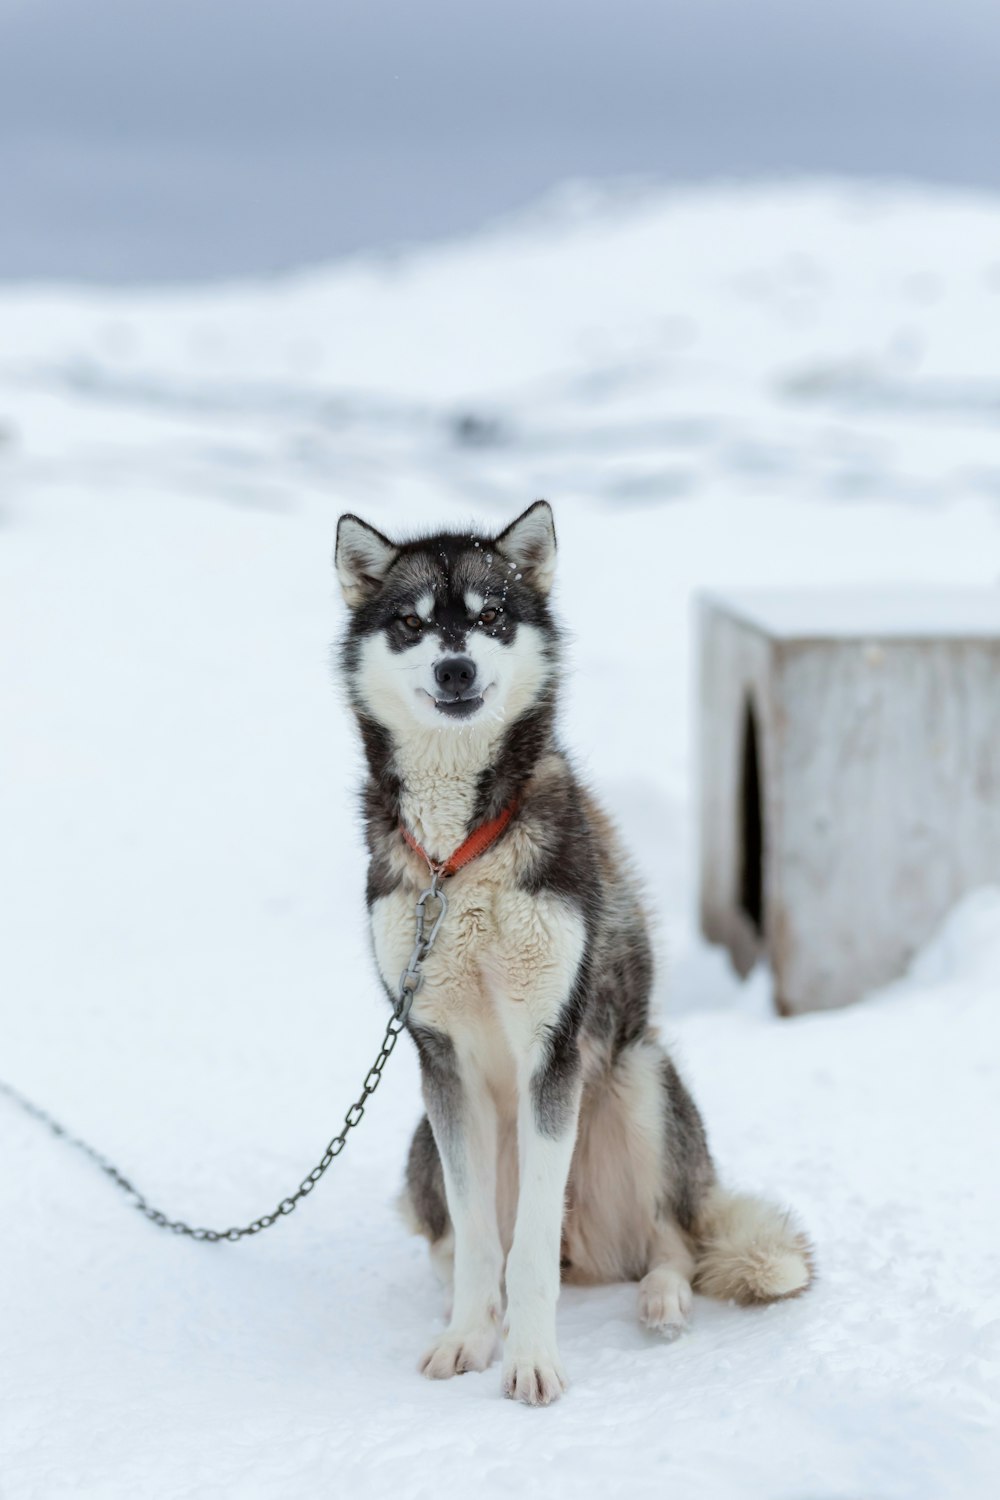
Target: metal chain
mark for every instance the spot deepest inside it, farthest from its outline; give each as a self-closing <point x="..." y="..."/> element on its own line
<point x="410" y="981"/>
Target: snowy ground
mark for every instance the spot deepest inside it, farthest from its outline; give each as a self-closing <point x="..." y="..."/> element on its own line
<point x="754" y="387"/>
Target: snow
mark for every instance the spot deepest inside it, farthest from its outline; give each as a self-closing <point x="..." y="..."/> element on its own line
<point x="723" y="388"/>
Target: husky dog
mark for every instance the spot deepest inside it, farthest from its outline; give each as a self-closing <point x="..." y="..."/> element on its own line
<point x="559" y="1140"/>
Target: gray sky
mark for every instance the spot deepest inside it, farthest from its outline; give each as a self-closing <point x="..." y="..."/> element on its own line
<point x="177" y="138"/>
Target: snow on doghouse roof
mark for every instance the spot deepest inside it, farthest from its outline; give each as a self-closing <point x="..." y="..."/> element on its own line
<point x="866" y="613"/>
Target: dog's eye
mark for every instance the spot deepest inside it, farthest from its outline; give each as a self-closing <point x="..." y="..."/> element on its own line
<point x="413" y="622"/>
<point x="488" y="616"/>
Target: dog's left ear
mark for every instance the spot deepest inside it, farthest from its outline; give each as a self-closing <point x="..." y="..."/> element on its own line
<point x="363" y="557"/>
<point x="530" y="543"/>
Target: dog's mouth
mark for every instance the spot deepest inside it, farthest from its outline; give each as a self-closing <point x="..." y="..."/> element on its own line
<point x="459" y="707"/>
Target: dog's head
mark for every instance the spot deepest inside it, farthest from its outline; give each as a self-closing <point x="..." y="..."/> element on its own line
<point x="451" y="631"/>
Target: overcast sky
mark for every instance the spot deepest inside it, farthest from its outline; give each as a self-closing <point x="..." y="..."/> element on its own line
<point x="178" y="138"/>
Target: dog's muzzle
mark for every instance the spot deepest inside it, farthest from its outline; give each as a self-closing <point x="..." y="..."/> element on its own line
<point x="458" y="693"/>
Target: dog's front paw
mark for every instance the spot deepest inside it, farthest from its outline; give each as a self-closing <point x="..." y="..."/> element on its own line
<point x="459" y="1350"/>
<point x="533" y="1376"/>
<point x="664" y="1303"/>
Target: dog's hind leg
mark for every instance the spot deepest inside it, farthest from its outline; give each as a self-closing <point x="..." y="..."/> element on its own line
<point x="641" y="1163"/>
<point x="687" y="1177"/>
<point x="424" y="1205"/>
<point x="665" y="1290"/>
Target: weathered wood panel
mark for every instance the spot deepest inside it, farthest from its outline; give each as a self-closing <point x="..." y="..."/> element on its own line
<point x="879" y="768"/>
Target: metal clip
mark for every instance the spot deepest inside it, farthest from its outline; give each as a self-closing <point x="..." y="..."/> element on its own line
<point x="435" y="892"/>
<point x="412" y="976"/>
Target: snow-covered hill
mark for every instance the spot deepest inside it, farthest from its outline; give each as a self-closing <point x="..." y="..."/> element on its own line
<point x="780" y="385"/>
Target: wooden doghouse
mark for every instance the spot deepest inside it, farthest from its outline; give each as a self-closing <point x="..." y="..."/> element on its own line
<point x="849" y="756"/>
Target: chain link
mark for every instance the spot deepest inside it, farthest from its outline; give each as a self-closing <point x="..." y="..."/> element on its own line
<point x="410" y="982"/>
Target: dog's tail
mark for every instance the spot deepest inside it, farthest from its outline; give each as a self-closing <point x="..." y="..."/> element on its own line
<point x="749" y="1250"/>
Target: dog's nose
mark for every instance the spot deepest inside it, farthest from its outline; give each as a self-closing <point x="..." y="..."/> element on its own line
<point x="455" y="674"/>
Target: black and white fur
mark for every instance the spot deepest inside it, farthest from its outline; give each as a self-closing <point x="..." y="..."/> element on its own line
<point x="559" y="1139"/>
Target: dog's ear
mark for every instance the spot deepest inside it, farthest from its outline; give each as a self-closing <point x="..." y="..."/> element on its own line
<point x="530" y="543"/>
<point x="363" y="557"/>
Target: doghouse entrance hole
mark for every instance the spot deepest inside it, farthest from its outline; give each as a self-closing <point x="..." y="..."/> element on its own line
<point x="751" y="826"/>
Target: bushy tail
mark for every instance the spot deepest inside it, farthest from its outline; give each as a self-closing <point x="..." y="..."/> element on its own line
<point x="749" y="1250"/>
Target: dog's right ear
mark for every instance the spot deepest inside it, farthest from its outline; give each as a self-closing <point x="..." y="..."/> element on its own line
<point x="363" y="557"/>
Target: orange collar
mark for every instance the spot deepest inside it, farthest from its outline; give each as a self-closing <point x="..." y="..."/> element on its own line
<point x="479" y="840"/>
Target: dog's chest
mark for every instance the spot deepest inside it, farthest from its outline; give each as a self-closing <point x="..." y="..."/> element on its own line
<point x="502" y="954"/>
<point x="468" y="949"/>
